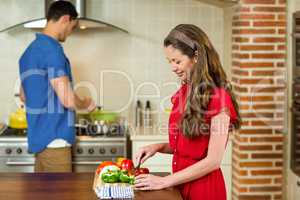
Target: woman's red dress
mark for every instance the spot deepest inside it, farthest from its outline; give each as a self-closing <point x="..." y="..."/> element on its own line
<point x="187" y="152"/>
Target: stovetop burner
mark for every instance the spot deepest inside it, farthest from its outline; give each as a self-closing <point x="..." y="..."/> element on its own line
<point x="12" y="132"/>
<point x="94" y="131"/>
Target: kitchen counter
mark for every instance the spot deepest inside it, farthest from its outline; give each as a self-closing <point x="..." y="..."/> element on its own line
<point x="71" y="186"/>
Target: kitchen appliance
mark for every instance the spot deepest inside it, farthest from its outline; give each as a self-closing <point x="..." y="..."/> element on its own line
<point x="99" y="122"/>
<point x="295" y="147"/>
<point x="87" y="153"/>
<point x="103" y="115"/>
<point x="84" y="21"/>
<point x="100" y="128"/>
<point x="17" y="119"/>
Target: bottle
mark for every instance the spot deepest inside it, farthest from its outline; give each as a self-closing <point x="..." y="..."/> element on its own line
<point x="138" y="114"/>
<point x="147" y="115"/>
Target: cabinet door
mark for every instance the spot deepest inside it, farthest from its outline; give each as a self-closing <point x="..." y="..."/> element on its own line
<point x="293" y="186"/>
<point x="297" y="189"/>
<point x="228" y="154"/>
<point x="159" y="162"/>
<point x="227" y="173"/>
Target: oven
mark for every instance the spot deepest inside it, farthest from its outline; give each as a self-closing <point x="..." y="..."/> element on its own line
<point x="14" y="156"/>
<point x="87" y="153"/>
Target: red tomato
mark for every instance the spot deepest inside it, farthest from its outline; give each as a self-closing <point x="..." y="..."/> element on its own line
<point x="104" y="164"/>
<point x="141" y="171"/>
<point x="127" y="165"/>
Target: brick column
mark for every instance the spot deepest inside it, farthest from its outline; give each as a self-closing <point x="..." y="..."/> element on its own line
<point x="258" y="76"/>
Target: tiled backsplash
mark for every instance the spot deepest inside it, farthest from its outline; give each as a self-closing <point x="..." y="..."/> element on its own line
<point x="138" y="55"/>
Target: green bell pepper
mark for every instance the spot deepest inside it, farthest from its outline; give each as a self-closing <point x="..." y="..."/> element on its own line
<point x="125" y="178"/>
<point x="110" y="176"/>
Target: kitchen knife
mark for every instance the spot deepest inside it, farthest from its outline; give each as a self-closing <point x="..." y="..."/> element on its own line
<point x="139" y="164"/>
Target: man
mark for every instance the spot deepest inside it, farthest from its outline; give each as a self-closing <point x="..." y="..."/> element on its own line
<point x="47" y="92"/>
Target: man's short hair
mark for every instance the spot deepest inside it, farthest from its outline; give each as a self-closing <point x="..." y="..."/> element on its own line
<point x="61" y="8"/>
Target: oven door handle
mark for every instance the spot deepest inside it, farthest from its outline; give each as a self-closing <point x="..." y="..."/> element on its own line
<point x="86" y="162"/>
<point x="19" y="163"/>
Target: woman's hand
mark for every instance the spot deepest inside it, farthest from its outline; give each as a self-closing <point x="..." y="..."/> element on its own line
<point x="146" y="152"/>
<point x="150" y="182"/>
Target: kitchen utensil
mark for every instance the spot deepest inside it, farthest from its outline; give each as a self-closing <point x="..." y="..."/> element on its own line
<point x="17" y="119"/>
<point x="139" y="163"/>
<point x="107" y="116"/>
<point x="99" y="115"/>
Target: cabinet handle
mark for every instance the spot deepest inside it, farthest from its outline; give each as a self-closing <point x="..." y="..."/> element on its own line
<point x="86" y="163"/>
<point x="298" y="183"/>
<point x="19" y="163"/>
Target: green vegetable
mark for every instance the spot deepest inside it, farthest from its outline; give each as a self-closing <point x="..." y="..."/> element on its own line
<point x="125" y="178"/>
<point x="132" y="179"/>
<point x="110" y="176"/>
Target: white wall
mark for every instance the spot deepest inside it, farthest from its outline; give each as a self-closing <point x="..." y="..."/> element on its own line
<point x="139" y="54"/>
<point x="227" y="55"/>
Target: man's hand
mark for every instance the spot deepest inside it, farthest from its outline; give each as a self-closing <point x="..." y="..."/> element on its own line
<point x="85" y="104"/>
<point x="69" y="98"/>
<point x="22" y="94"/>
<point x="89" y="104"/>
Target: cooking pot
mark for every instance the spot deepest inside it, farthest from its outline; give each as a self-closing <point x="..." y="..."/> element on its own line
<point x="99" y="115"/>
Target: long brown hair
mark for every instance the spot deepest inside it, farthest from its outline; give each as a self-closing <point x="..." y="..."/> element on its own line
<point x="206" y="74"/>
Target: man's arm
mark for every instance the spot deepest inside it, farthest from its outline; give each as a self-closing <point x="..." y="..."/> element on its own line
<point x="67" y="96"/>
<point x="22" y="94"/>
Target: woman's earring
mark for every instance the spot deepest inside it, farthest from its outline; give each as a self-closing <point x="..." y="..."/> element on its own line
<point x="196" y="56"/>
<point x="195" y="59"/>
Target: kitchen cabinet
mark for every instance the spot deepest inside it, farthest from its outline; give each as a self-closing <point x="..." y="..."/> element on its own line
<point x="293" y="186"/>
<point x="159" y="162"/>
<point x="162" y="162"/>
<point x="227" y="168"/>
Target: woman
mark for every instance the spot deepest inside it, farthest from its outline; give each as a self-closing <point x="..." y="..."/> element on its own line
<point x="204" y="111"/>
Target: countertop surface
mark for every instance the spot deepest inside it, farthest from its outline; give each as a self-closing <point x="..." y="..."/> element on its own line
<point x="71" y="186"/>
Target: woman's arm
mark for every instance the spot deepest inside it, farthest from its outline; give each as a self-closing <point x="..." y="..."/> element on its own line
<point x="164" y="148"/>
<point x="216" y="148"/>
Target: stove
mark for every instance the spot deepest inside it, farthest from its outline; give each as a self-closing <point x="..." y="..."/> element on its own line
<point x="91" y="148"/>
